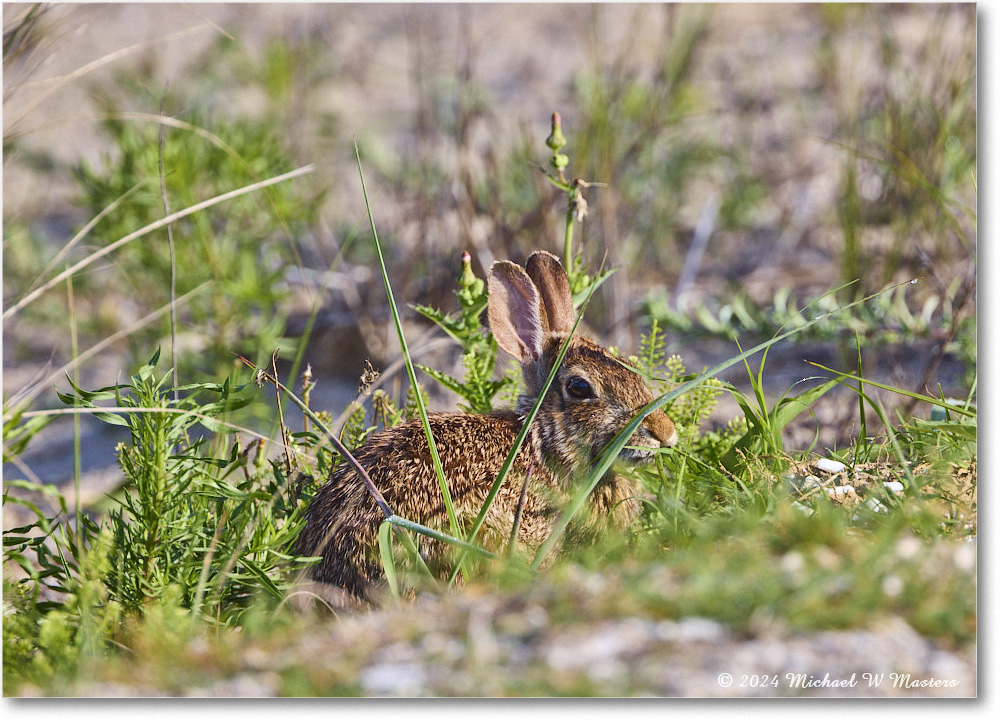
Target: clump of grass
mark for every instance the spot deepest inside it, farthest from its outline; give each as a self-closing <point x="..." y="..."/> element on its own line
<point x="201" y="524"/>
<point x="806" y="572"/>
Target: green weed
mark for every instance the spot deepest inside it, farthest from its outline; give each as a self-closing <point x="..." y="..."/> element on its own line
<point x="205" y="532"/>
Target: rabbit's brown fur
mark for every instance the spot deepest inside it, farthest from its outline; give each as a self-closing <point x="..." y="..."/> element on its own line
<point x="592" y="397"/>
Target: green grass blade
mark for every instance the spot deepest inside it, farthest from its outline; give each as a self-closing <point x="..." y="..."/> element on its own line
<point x="410" y="372"/>
<point x="909" y="394"/>
<point x="771" y="425"/>
<point x="411" y="548"/>
<point x="385" y="552"/>
<point x="911" y="482"/>
<point x="862" y="445"/>
<point x="791" y="408"/>
<point x="440" y="536"/>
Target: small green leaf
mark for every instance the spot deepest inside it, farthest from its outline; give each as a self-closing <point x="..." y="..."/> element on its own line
<point x="964" y="430"/>
<point x="388" y="563"/>
<point x="114" y="419"/>
<point x="444" y="379"/>
<point x="790" y="408"/>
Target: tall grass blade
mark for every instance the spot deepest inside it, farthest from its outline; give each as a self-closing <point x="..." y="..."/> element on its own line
<point x="173" y="260"/>
<point x="909" y="394"/>
<point x="74" y="353"/>
<point x="440" y="536"/>
<point x="862" y="446"/>
<point x="911" y="482"/>
<point x="385" y="552"/>
<point x="410" y="372"/>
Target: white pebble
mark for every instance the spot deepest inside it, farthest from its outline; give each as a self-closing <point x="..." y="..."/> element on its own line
<point x="965" y="557"/>
<point x="804" y="508"/>
<point x="792" y="562"/>
<point x="908" y="547"/>
<point x="801" y="484"/>
<point x="892" y="586"/>
<point x="894" y="486"/>
<point x="393" y="679"/>
<point x="842" y="493"/>
<point x="692" y="629"/>
<point x="875" y="504"/>
<point x="830" y="466"/>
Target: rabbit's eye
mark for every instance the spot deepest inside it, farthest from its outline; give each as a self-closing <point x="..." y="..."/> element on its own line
<point x="579" y="388"/>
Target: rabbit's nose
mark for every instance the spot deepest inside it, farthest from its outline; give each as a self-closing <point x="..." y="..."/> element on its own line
<point x="662" y="428"/>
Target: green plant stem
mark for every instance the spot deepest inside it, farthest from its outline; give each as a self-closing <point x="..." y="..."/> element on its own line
<point x="388" y="563"/>
<point x="463" y="546"/>
<point x="207" y="563"/>
<point x="518" y="512"/>
<point x="173" y="260"/>
<point x="876" y="404"/>
<point x="677" y="490"/>
<point x="414" y="552"/>
<point x="568" y="234"/>
<point x="909" y="394"/>
<point x="77" y="450"/>
<point x="862" y="445"/>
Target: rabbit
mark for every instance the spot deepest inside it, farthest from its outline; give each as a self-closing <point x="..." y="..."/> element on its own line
<point x="592" y="397"/>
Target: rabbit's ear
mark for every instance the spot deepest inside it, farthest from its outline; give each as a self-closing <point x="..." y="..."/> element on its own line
<point x="517" y="320"/>
<point x="548" y="275"/>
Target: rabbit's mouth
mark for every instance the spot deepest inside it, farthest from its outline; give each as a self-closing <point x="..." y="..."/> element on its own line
<point x="641" y="448"/>
<point x="637" y="454"/>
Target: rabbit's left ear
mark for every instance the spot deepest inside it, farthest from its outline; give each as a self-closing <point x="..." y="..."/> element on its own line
<point x="548" y="275"/>
<point x="517" y="320"/>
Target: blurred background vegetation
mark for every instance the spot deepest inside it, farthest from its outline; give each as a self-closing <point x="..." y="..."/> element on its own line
<point x="813" y="145"/>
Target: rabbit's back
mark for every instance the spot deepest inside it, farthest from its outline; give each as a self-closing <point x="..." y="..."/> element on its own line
<point x="343" y="519"/>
